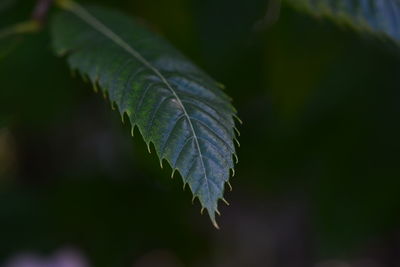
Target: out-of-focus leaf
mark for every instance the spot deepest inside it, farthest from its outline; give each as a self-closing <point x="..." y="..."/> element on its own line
<point x="175" y="105"/>
<point x="380" y="17"/>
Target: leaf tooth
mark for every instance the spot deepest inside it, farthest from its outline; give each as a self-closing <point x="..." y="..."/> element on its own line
<point x="112" y="104"/>
<point x="194" y="198"/>
<point x="230" y="186"/>
<point x="217" y="211"/>
<point x="236" y="158"/>
<point x="225" y="201"/>
<point x="148" y="147"/>
<point x="161" y="165"/>
<point x="237" y="141"/>
<point x="221" y="85"/>
<point x="123" y="116"/>
<point x="202" y="210"/>
<point x="236" y="130"/>
<point x="233" y="172"/>
<point x="105" y="94"/>
<point x="237" y="118"/>
<point x="95" y="87"/>
<point x="127" y="112"/>
<point x="172" y="176"/>
<point x="184" y="186"/>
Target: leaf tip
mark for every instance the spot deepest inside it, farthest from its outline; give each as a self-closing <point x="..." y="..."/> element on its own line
<point x="211" y="214"/>
<point x="237" y="118"/>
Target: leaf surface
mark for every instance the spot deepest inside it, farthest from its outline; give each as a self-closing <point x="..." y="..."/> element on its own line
<point x="380" y="17"/>
<point x="175" y="105"/>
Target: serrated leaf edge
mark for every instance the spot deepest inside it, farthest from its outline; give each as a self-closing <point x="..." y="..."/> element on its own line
<point x="99" y="26"/>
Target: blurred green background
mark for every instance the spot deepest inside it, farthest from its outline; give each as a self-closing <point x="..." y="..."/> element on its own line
<point x="318" y="179"/>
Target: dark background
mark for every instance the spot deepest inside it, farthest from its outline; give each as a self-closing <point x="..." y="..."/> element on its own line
<point x="317" y="182"/>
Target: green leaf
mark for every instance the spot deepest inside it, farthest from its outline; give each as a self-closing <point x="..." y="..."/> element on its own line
<point x="380" y="17"/>
<point x="175" y="105"/>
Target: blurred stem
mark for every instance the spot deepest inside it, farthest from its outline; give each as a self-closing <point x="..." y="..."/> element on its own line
<point x="65" y="4"/>
<point x="22" y="27"/>
<point x="39" y="16"/>
<point x="41" y="11"/>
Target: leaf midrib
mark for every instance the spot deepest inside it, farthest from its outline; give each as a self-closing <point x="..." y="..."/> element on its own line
<point x="100" y="27"/>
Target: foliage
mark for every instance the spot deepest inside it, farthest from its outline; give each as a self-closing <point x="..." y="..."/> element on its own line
<point x="374" y="16"/>
<point x="177" y="107"/>
<point x="318" y="172"/>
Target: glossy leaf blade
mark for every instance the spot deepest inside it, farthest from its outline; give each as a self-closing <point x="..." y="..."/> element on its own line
<point x="175" y="105"/>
